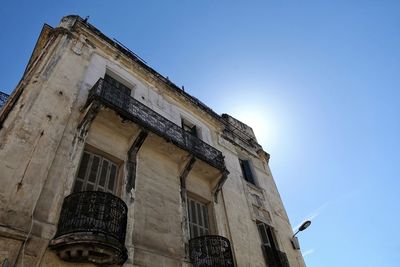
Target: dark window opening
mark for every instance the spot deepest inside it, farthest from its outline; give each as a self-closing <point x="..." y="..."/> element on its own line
<point x="189" y="127"/>
<point x="246" y="171"/>
<point x="268" y="245"/>
<point x="125" y="89"/>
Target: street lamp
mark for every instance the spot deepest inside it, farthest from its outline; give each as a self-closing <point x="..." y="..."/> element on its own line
<point x="295" y="240"/>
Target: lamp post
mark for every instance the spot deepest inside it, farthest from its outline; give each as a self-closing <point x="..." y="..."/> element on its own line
<point x="295" y="240"/>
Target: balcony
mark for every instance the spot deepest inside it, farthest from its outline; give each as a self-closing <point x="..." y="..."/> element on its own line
<point x="139" y="113"/>
<point x="210" y="250"/>
<point x="275" y="258"/>
<point x="3" y="98"/>
<point x="92" y="228"/>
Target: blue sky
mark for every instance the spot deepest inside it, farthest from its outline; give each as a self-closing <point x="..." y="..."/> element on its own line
<point x="318" y="81"/>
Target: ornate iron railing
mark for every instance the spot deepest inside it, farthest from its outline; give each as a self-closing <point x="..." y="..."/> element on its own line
<point x="275" y="258"/>
<point x="93" y="212"/>
<point x="139" y="113"/>
<point x="210" y="250"/>
<point x="3" y="99"/>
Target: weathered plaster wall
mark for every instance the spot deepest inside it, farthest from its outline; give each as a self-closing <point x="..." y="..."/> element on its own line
<point x="241" y="217"/>
<point x="157" y="235"/>
<point x="244" y="234"/>
<point x="35" y="142"/>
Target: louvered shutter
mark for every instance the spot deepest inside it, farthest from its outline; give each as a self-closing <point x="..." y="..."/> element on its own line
<point x="198" y="218"/>
<point x="96" y="173"/>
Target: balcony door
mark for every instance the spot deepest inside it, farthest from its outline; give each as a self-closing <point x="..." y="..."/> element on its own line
<point x="96" y="173"/>
<point x="269" y="247"/>
<point x="198" y="218"/>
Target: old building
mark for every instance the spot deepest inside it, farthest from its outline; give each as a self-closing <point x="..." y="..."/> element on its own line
<point x="104" y="161"/>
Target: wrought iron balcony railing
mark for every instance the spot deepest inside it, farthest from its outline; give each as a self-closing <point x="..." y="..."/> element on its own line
<point x="275" y="258"/>
<point x="139" y="113"/>
<point x="92" y="228"/>
<point x="210" y="251"/>
<point x="3" y="99"/>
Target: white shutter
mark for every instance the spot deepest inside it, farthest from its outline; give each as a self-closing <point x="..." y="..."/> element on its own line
<point x="198" y="218"/>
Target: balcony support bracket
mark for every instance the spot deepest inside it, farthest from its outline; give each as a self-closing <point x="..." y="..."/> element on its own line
<point x="132" y="159"/>
<point x="219" y="185"/>
<point x="188" y="166"/>
<point x="91" y="112"/>
<point x="185" y="220"/>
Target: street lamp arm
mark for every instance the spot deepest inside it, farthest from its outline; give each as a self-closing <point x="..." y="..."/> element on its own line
<point x="303" y="227"/>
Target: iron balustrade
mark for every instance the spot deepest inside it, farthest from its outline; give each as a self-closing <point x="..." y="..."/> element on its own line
<point x="93" y="211"/>
<point x="94" y="215"/>
<point x="210" y="250"/>
<point x="139" y="113"/>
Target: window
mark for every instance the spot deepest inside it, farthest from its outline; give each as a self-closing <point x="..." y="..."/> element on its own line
<point x="265" y="234"/>
<point x="96" y="173"/>
<point x="189" y="127"/>
<point x="125" y="89"/>
<point x="246" y="171"/>
<point x="198" y="218"/>
<point x="268" y="244"/>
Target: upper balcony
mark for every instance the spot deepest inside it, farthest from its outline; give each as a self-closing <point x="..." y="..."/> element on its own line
<point x="210" y="250"/>
<point x="92" y="228"/>
<point x="131" y="109"/>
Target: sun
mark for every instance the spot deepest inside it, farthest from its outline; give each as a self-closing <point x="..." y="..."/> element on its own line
<point x="257" y="119"/>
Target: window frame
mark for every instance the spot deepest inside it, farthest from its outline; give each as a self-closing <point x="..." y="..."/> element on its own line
<point x="190" y="127"/>
<point x="206" y="205"/>
<point x="247" y="171"/>
<point x="272" y="243"/>
<point x="264" y="234"/>
<point x="103" y="156"/>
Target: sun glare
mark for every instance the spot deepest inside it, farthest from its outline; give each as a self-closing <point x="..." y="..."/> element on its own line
<point x="258" y="120"/>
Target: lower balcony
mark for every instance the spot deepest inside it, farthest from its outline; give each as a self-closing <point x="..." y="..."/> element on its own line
<point x="210" y="250"/>
<point x="92" y="228"/>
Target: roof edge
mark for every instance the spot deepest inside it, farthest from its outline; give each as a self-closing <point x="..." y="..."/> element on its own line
<point x="138" y="60"/>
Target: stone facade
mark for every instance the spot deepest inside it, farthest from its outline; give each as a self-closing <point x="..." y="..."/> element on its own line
<point x="182" y="170"/>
